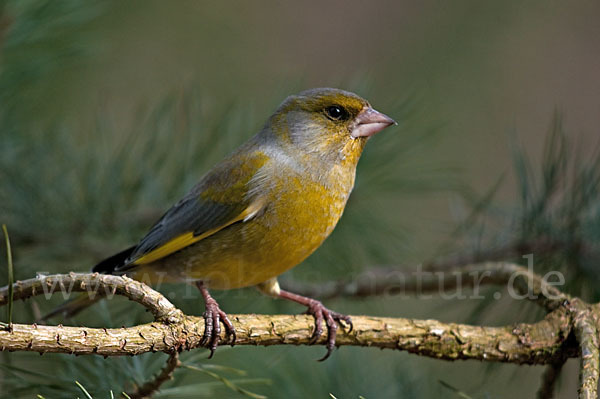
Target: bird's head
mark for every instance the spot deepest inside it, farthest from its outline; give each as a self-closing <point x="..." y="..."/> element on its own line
<point x="329" y="124"/>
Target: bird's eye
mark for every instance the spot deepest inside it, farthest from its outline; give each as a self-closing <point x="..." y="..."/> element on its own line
<point x="337" y="113"/>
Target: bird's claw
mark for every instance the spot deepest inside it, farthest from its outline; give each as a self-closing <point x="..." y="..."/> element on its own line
<point x="320" y="313"/>
<point x="213" y="317"/>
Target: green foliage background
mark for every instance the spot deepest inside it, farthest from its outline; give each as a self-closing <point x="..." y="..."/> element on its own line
<point x="110" y="111"/>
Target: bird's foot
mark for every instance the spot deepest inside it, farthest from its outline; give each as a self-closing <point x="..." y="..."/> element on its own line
<point x="320" y="313"/>
<point x="213" y="317"/>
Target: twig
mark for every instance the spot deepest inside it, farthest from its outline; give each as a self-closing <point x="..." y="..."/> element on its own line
<point x="549" y="379"/>
<point x="96" y="284"/>
<point x="152" y="386"/>
<point x="382" y="281"/>
<point x="587" y="336"/>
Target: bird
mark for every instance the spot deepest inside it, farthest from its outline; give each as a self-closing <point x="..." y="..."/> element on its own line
<point x="260" y="211"/>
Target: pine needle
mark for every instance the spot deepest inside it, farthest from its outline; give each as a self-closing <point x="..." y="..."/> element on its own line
<point x="227" y="383"/>
<point x="85" y="392"/>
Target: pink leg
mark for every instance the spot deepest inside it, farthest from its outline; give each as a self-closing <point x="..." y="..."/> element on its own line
<point x="213" y="317"/>
<point x="320" y="313"/>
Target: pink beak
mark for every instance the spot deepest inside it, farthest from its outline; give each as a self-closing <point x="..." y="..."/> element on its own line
<point x="369" y="122"/>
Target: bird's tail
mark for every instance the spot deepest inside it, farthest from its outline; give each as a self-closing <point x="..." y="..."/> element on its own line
<point x="108" y="265"/>
<point x="73" y="306"/>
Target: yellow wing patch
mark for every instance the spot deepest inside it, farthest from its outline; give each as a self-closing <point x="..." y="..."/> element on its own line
<point x="172" y="246"/>
<point x="187" y="239"/>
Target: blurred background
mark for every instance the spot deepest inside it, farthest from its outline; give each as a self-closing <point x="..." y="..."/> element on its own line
<point x="111" y="110"/>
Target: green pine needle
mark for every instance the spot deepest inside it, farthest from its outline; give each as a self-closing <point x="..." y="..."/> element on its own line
<point x="85" y="392"/>
<point x="227" y="382"/>
<point x="458" y="392"/>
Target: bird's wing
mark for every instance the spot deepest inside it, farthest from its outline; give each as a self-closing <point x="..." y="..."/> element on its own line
<point x="220" y="199"/>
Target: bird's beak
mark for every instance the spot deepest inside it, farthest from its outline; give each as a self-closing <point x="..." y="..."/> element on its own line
<point x="369" y="122"/>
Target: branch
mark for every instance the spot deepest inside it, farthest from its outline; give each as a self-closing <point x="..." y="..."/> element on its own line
<point x="386" y="281"/>
<point x="538" y="343"/>
<point x="548" y="341"/>
<point x="172" y="331"/>
<point x="152" y="386"/>
<point x="586" y="332"/>
<point x="96" y="284"/>
<point x="549" y="379"/>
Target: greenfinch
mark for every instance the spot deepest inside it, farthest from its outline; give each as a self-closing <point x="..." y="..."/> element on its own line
<point x="263" y="209"/>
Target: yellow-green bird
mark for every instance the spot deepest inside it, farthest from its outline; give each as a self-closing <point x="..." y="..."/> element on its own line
<point x="263" y="209"/>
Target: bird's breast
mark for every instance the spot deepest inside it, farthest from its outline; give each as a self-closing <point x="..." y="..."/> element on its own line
<point x="299" y="213"/>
